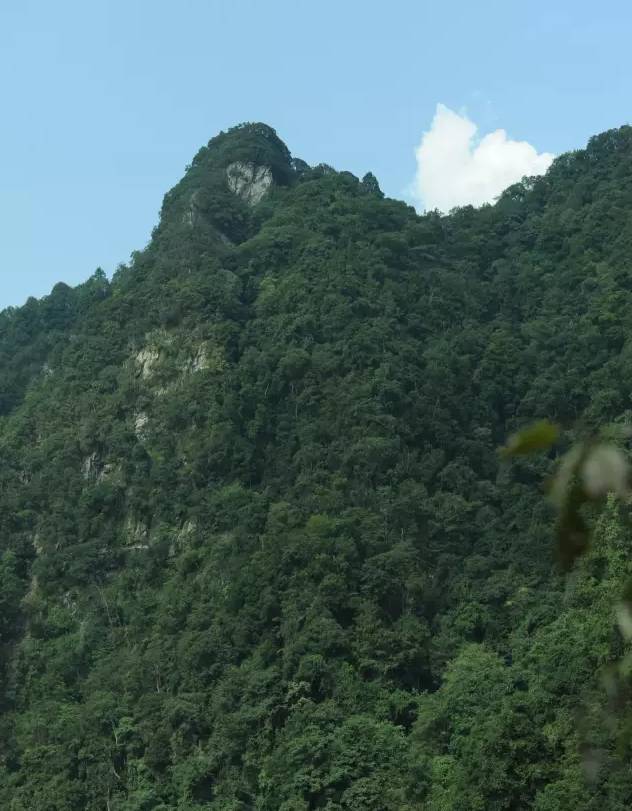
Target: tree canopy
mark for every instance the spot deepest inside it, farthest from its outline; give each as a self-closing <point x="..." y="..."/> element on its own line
<point x="258" y="549"/>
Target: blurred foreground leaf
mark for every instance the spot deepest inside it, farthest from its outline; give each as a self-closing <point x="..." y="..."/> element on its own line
<point x="587" y="473"/>
<point x="539" y="436"/>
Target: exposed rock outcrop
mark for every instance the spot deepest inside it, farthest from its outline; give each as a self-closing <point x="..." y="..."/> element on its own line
<point x="147" y="360"/>
<point x="249" y="181"/>
<point x="140" y="423"/>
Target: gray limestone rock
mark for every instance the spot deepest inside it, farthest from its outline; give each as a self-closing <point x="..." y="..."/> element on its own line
<point x="249" y="181"/>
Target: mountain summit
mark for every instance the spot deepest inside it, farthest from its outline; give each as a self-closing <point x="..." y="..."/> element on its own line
<point x="236" y="170"/>
<point x="258" y="550"/>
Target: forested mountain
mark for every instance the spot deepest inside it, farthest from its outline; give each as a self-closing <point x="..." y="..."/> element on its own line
<point x="258" y="548"/>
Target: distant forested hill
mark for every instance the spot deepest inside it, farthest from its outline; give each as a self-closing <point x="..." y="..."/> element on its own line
<point x="257" y="547"/>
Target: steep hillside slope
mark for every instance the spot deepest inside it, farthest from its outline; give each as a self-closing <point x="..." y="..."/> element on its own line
<point x="258" y="550"/>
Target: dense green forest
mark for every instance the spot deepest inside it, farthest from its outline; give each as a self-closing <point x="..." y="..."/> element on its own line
<point x="258" y="549"/>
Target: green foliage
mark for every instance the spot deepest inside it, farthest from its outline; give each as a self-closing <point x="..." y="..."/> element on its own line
<point x="539" y="436"/>
<point x="590" y="471"/>
<point x="257" y="547"/>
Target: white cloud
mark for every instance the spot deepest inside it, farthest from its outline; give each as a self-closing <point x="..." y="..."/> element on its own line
<point x="454" y="168"/>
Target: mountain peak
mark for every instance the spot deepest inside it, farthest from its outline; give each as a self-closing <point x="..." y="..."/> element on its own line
<point x="236" y="167"/>
<point x="249" y="143"/>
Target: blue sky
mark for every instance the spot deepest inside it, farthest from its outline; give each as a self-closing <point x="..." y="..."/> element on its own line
<point x="105" y="102"/>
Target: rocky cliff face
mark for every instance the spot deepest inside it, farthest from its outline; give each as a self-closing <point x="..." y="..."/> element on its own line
<point x="249" y="181"/>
